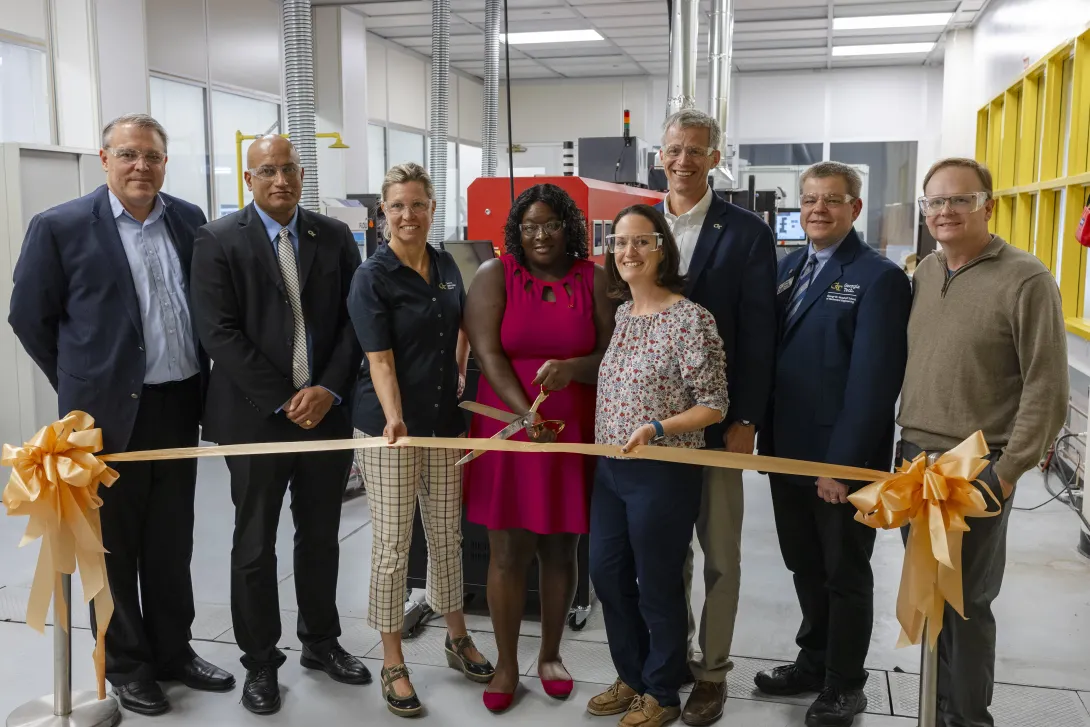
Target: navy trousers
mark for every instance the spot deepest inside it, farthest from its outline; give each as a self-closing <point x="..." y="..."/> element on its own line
<point x="641" y="524"/>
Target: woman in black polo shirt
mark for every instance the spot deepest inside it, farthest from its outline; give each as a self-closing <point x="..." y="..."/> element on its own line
<point x="406" y="306"/>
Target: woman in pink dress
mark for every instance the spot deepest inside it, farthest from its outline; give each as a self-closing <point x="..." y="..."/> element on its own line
<point x="538" y="317"/>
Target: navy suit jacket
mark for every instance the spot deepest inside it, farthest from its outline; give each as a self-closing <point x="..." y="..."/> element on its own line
<point x="840" y="360"/>
<point x="74" y="308"/>
<point x="733" y="275"/>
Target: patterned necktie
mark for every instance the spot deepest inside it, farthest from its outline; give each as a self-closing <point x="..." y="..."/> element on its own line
<point x="300" y="369"/>
<point x="805" y="277"/>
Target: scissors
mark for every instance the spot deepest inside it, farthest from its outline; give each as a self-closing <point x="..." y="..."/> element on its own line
<point x="515" y="423"/>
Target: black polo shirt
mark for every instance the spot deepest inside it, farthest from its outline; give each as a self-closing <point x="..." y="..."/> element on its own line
<point x="393" y="308"/>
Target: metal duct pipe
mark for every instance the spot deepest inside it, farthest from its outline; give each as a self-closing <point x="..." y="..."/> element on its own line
<point x="440" y="107"/>
<point x="683" y="32"/>
<point x="298" y="32"/>
<point x="720" y="42"/>
<point x="490" y="116"/>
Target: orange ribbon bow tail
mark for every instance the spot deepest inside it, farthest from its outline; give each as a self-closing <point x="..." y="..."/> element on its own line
<point x="54" y="481"/>
<point x="935" y="499"/>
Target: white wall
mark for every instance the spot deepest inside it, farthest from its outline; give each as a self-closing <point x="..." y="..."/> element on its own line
<point x="23" y="17"/>
<point x="122" y="58"/>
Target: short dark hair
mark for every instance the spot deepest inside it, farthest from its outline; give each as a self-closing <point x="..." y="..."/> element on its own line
<point x="670" y="276"/>
<point x="562" y="205"/>
<point x="981" y="171"/>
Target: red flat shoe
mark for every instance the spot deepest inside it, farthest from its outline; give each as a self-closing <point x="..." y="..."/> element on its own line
<point x="497" y="702"/>
<point x="556" y="688"/>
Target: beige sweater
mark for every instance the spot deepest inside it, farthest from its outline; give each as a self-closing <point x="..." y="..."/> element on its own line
<point x="987" y="350"/>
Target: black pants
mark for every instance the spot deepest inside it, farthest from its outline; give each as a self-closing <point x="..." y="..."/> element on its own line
<point x="641" y="523"/>
<point x="147" y="529"/>
<point x="828" y="553"/>
<point x="967" y="646"/>
<point x="317" y="482"/>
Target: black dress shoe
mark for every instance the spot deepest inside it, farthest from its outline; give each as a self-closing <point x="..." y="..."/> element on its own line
<point x="143" y="697"/>
<point x="338" y="664"/>
<point x="836" y="707"/>
<point x="261" y="692"/>
<point x="784" y="681"/>
<point x="199" y="674"/>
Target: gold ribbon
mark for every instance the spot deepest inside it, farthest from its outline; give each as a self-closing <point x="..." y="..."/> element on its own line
<point x="54" y="481"/>
<point x="935" y="500"/>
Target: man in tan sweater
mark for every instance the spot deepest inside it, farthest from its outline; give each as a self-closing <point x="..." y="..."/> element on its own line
<point x="986" y="351"/>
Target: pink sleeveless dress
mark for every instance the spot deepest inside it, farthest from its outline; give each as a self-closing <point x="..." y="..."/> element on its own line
<point x="542" y="493"/>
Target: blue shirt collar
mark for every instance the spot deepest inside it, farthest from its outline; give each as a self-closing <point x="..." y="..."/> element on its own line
<point x="272" y="227"/>
<point x="119" y="209"/>
<point x="823" y="256"/>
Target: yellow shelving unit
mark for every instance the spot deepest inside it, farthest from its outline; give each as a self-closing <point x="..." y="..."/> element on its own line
<point x="1035" y="137"/>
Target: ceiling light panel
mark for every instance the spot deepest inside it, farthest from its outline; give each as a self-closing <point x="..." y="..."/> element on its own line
<point x="552" y="36"/>
<point x="875" y="22"/>
<point x="882" y="49"/>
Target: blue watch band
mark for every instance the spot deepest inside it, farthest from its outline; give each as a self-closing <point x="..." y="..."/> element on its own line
<point x="659" y="431"/>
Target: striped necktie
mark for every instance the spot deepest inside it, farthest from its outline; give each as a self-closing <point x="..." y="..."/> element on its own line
<point x="805" y="278"/>
<point x="300" y="369"/>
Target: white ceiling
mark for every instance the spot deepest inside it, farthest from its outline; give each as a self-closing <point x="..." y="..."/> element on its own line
<point x="768" y="34"/>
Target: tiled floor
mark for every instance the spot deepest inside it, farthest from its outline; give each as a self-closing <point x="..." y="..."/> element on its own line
<point x="1043" y="650"/>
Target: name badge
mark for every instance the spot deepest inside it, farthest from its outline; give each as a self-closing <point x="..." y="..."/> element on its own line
<point x="785" y="285"/>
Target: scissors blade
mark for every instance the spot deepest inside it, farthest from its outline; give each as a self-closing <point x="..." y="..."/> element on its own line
<point x="488" y="411"/>
<point x="505" y="433"/>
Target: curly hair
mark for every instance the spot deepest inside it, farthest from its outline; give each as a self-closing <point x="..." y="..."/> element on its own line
<point x="562" y="205"/>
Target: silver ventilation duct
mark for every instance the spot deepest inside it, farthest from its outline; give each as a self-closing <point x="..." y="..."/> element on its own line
<point x="299" y="92"/>
<point x="720" y="44"/>
<point x="490" y="116"/>
<point x="440" y="108"/>
<point x="683" y="31"/>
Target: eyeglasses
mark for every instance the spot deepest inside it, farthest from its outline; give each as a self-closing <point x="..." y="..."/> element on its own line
<point x="132" y="156"/>
<point x="642" y="242"/>
<point x="550" y="228"/>
<point x="674" y="151"/>
<point x="961" y="204"/>
<point x="418" y="207"/>
<point x="830" y="200"/>
<point x="269" y="171"/>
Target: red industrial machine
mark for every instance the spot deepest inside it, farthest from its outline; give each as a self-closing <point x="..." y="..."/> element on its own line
<point x="489" y="202"/>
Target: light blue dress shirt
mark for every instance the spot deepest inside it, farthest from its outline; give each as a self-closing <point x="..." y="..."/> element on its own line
<point x="170" y="348"/>
<point x="272" y="229"/>
<point x="823" y="256"/>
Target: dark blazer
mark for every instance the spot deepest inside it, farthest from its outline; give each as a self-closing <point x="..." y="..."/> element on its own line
<point x="75" y="310"/>
<point x="732" y="275"/>
<point x="242" y="313"/>
<point x="841" y="360"/>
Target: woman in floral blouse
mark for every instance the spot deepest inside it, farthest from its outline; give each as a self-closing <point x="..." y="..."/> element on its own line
<point x="662" y="381"/>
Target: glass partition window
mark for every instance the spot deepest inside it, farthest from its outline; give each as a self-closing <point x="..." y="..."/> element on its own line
<point x="180" y="108"/>
<point x="24" y="95"/>
<point x="405" y="146"/>
<point x="779" y="154"/>
<point x="376" y="157"/>
<point x="231" y="113"/>
<point x="469" y="168"/>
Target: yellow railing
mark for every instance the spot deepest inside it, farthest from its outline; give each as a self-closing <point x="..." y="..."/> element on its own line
<point x="1022" y="135"/>
<point x="338" y="143"/>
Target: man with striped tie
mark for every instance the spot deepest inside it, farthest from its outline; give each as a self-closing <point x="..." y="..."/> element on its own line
<point x="843" y="317"/>
<point x="270" y="285"/>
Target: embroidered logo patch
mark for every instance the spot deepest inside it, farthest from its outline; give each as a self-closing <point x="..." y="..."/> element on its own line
<point x="446" y="286"/>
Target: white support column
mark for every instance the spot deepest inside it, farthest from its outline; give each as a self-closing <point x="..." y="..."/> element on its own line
<point x="121" y="54"/>
<point x="959" y="95"/>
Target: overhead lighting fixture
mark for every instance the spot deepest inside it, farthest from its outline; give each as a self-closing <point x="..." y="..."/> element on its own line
<point x="552" y="36"/>
<point x="874" y="22"/>
<point x="882" y="50"/>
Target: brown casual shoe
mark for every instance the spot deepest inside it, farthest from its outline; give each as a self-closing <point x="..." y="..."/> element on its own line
<point x="614" y="700"/>
<point x="705" y="704"/>
<point x="646" y="712"/>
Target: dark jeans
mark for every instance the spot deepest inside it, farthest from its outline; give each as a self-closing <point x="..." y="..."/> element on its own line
<point x="641" y="523"/>
<point x="828" y="553"/>
<point x="967" y="646"/>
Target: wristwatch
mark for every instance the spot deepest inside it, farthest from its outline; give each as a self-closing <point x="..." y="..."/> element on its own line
<point x="660" y="433"/>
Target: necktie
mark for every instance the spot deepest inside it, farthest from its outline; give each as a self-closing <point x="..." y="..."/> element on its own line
<point x="300" y="370"/>
<point x="805" y="277"/>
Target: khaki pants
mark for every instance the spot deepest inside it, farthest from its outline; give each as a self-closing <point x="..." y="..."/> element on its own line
<point x="719" y="531"/>
<point x="395" y="479"/>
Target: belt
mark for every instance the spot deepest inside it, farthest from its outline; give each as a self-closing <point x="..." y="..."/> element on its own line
<point x="167" y="385"/>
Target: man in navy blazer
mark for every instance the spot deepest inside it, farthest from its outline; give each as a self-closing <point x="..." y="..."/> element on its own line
<point x="729" y="257"/>
<point x="843" y="317"/>
<point x="101" y="303"/>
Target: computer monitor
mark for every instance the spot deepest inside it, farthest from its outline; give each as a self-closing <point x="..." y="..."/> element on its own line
<point x="789" y="226"/>
<point x="468" y="256"/>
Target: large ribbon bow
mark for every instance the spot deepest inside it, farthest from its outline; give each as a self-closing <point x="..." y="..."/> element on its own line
<point x="54" y="481"/>
<point x="935" y="498"/>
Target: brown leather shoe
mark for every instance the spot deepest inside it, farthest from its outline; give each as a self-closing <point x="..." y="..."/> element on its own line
<point x="705" y="704"/>
<point x="645" y="711"/>
<point x="614" y="700"/>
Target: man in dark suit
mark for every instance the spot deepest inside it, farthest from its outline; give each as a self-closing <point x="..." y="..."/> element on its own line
<point x="101" y="303"/>
<point x="270" y="285"/>
<point x="729" y="256"/>
<point x="843" y="311"/>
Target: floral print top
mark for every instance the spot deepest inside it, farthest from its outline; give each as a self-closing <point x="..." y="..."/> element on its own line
<point x="658" y="366"/>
